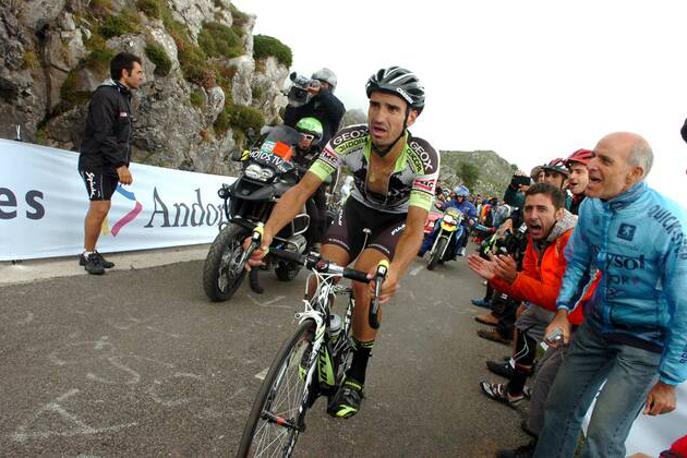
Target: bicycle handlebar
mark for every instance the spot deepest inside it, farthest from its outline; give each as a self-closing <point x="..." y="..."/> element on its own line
<point x="380" y="275"/>
<point x="315" y="261"/>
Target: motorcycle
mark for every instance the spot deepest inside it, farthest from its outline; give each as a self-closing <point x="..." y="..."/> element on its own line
<point x="267" y="173"/>
<point x="450" y="231"/>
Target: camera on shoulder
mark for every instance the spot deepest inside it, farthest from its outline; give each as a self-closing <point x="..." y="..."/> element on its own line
<point x="298" y="94"/>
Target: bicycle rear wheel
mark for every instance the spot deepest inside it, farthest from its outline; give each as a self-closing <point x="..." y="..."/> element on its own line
<point x="276" y="419"/>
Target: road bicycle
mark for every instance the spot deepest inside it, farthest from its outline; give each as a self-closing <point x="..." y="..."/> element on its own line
<point x="312" y="362"/>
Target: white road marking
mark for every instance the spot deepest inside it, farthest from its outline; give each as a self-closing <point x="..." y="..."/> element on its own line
<point x="262" y="374"/>
<point x="416" y="270"/>
<point x="81" y="428"/>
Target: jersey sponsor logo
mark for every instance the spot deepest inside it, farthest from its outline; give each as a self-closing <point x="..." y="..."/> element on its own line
<point x="671" y="224"/>
<point x="344" y="137"/>
<point x="398" y="229"/>
<point x="352" y="144"/>
<point x="329" y="157"/>
<point x="625" y="262"/>
<point x="622" y="280"/>
<point x="627" y="232"/>
<point x="424" y="155"/>
<point x="426" y="185"/>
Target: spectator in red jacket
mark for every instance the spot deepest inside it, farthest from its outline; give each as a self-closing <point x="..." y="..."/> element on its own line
<point x="549" y="225"/>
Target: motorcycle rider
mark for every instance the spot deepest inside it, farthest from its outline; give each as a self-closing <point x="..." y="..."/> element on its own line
<point x="461" y="202"/>
<point x="323" y="105"/>
<point x="395" y="174"/>
<point x="306" y="152"/>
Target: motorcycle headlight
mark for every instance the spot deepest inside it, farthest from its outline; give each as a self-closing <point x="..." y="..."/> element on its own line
<point x="448" y="219"/>
<point x="259" y="173"/>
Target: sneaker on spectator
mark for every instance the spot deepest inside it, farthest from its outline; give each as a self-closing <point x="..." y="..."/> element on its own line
<point x="106" y="264"/>
<point x="488" y="319"/>
<point x="500" y="368"/>
<point x="524" y="451"/>
<point x="493" y="335"/>
<point x="499" y="392"/>
<point x="94" y="265"/>
<point x="481" y="303"/>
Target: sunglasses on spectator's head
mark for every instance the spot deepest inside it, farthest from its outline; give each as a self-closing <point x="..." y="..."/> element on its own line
<point x="309" y="137"/>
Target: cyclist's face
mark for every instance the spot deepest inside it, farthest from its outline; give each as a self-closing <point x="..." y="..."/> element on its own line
<point x="385" y="117"/>
<point x="579" y="177"/>
<point x="540" y="215"/>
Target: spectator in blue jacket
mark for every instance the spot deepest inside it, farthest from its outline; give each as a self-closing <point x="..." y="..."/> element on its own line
<point x="634" y="336"/>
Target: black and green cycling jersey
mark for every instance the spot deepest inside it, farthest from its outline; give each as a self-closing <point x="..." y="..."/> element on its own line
<point x="411" y="183"/>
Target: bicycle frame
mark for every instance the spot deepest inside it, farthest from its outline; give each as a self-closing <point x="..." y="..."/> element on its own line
<point x="318" y="309"/>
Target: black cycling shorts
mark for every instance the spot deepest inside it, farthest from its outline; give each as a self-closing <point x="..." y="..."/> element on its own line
<point x="347" y="228"/>
<point x="99" y="186"/>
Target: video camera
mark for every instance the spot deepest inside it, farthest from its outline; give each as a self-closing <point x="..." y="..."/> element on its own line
<point x="298" y="93"/>
<point x="513" y="243"/>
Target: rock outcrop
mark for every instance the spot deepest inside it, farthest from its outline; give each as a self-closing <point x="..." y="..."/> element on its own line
<point x="54" y="53"/>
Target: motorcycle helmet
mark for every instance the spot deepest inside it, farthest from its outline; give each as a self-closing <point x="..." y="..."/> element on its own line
<point x="400" y="82"/>
<point x="461" y="191"/>
<point x="557" y="165"/>
<point x="583" y="156"/>
<point x="326" y="76"/>
<point x="311" y="126"/>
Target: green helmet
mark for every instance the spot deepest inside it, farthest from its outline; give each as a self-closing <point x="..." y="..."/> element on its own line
<point x="311" y="126"/>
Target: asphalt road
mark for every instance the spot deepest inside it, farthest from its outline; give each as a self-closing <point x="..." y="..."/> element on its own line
<point x="139" y="363"/>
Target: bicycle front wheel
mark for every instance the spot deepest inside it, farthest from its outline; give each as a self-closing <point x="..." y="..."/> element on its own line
<point x="276" y="419"/>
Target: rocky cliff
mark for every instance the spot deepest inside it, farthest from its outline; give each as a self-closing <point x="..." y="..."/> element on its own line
<point x="204" y="88"/>
<point x="487" y="174"/>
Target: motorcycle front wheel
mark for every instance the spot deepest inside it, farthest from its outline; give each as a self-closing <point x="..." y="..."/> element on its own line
<point x="436" y="254"/>
<point x="221" y="273"/>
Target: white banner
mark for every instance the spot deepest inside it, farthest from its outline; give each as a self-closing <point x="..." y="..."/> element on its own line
<point x="652" y="435"/>
<point x="43" y="202"/>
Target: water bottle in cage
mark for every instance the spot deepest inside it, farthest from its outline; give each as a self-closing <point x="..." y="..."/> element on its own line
<point x="334" y="327"/>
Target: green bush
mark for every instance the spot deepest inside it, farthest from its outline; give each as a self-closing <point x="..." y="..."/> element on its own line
<point x="197" y="98"/>
<point x="100" y="55"/>
<point x="264" y="46"/>
<point x="150" y="7"/>
<point x="222" y="123"/>
<point x="158" y="56"/>
<point x="192" y="59"/>
<point x="218" y="40"/>
<point x="239" y="117"/>
<point x="120" y="24"/>
<point x="244" y="117"/>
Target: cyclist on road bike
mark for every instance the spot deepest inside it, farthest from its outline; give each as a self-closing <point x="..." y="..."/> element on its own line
<point x="395" y="175"/>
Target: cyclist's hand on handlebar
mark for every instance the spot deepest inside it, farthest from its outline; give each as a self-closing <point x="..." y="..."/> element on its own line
<point x="256" y="258"/>
<point x="389" y="286"/>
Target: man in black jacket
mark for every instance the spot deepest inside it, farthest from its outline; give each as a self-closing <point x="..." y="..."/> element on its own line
<point x="323" y="105"/>
<point x="106" y="150"/>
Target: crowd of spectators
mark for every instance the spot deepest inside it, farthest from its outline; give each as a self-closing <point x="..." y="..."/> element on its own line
<point x="584" y="267"/>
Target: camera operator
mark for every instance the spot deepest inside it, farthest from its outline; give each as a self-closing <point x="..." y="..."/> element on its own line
<point x="315" y="98"/>
<point x="503" y="308"/>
